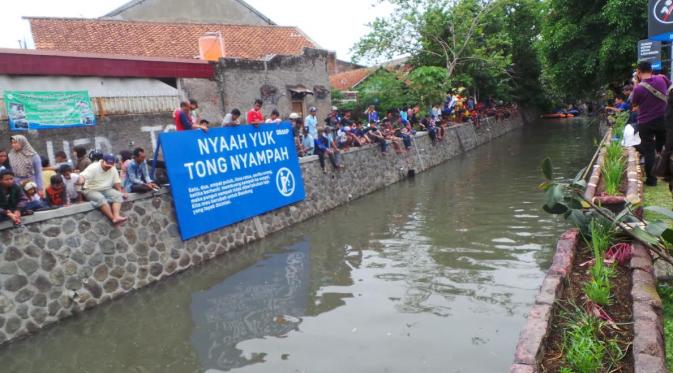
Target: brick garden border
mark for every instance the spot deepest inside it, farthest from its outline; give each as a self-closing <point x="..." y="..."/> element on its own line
<point x="648" y="324"/>
<point x="530" y="348"/>
<point x="634" y="189"/>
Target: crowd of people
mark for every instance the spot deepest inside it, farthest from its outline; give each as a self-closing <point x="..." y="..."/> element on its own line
<point x="339" y="131"/>
<point x="650" y="121"/>
<point x="29" y="183"/>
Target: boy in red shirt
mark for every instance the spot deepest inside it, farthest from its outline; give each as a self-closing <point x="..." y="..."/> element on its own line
<point x="255" y="116"/>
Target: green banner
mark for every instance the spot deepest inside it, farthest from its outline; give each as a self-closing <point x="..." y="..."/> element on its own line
<point x="35" y="110"/>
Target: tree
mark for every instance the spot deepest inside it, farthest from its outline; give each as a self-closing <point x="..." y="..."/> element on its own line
<point x="440" y="29"/>
<point x="523" y="23"/>
<point x="385" y="90"/>
<point x="587" y="44"/>
<point x="428" y="85"/>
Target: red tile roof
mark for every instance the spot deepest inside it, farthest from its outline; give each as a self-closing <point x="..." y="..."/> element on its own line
<point x="159" y="39"/>
<point x="349" y="79"/>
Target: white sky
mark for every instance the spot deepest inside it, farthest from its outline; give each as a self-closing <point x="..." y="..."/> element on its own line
<point x="335" y="25"/>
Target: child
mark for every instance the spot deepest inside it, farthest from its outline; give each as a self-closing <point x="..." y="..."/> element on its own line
<point x="70" y="180"/>
<point x="275" y="117"/>
<point x="61" y="158"/>
<point x="4" y="160"/>
<point x="35" y="202"/>
<point x="57" y="196"/>
<point x="126" y="157"/>
<point x="47" y="171"/>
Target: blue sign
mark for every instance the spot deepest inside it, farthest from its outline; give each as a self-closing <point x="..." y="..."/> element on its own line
<point x="230" y="174"/>
<point x="660" y="20"/>
<point x="649" y="50"/>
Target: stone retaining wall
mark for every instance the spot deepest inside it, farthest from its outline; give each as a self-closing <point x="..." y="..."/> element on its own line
<point x="65" y="261"/>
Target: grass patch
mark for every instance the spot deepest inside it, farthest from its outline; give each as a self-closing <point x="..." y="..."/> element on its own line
<point x="658" y="196"/>
<point x="613" y="168"/>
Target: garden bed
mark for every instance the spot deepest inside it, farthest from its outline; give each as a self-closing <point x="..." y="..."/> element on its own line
<point x="620" y="311"/>
<point x="630" y="186"/>
<point x="635" y="310"/>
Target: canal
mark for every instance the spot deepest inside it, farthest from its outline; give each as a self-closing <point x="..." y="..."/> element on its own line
<point x="434" y="274"/>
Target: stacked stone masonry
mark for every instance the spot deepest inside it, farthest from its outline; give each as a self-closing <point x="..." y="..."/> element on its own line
<point x="65" y="261"/>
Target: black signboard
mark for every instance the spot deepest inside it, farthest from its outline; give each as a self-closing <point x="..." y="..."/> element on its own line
<point x="660" y="20"/>
<point x="650" y="51"/>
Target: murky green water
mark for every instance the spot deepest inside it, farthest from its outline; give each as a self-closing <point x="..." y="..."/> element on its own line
<point x="431" y="275"/>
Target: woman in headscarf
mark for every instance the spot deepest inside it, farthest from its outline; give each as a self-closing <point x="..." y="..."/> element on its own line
<point x="25" y="162"/>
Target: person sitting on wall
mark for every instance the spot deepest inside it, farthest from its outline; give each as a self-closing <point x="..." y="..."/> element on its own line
<point x="275" y="117"/>
<point x="25" y="162"/>
<point x="57" y="195"/>
<point x="70" y="181"/>
<point x="35" y="201"/>
<point x="4" y="160"/>
<point x="307" y="143"/>
<point x="255" y="115"/>
<point x="12" y="198"/>
<point x="102" y="187"/>
<point x="138" y="175"/>
<point x="183" y="119"/>
<point x="333" y="117"/>
<point x="323" y="147"/>
<point x="82" y="160"/>
<point x="376" y="137"/>
<point x="232" y="119"/>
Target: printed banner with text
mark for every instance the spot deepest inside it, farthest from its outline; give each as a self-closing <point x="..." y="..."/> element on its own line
<point x="230" y="174"/>
<point x="36" y="110"/>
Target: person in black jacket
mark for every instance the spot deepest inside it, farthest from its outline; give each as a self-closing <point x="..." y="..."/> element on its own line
<point x="12" y="198"/>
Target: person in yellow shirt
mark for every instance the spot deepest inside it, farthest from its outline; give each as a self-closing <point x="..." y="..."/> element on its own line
<point x="47" y="172"/>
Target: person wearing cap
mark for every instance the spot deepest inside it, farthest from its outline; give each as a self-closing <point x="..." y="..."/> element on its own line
<point x="333" y="117"/>
<point x="311" y="122"/>
<point x="35" y="202"/>
<point x="103" y="188"/>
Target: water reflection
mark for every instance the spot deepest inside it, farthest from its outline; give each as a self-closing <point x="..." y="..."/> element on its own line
<point x="429" y="275"/>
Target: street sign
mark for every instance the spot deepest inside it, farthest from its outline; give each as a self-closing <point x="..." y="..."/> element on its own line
<point x="660" y="20"/>
<point x="650" y="51"/>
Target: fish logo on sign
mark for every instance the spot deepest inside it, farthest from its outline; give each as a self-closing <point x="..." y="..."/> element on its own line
<point x="285" y="182"/>
<point x="663" y="11"/>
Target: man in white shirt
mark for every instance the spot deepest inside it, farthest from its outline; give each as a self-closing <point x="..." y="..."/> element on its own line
<point x="103" y="188"/>
<point x="232" y="119"/>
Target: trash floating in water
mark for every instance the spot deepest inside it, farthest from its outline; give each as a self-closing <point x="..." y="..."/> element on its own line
<point x="284" y="319"/>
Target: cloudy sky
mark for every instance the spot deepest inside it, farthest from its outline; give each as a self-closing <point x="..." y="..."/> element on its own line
<point x="335" y="25"/>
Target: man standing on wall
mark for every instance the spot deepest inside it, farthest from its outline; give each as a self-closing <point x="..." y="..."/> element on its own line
<point x="650" y="95"/>
<point x="183" y="119"/>
<point x="255" y="116"/>
<point x="103" y="188"/>
<point x="311" y="122"/>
